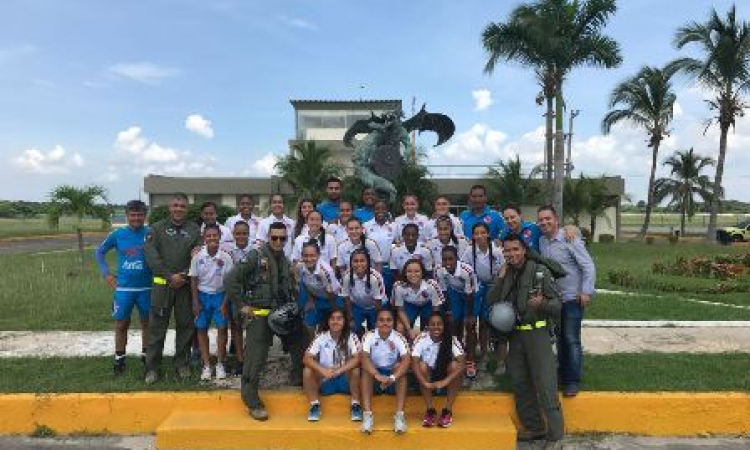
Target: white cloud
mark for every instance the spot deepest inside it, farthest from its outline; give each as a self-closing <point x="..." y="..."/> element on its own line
<point x="142" y="72"/>
<point x="263" y="167"/>
<point x="55" y="161"/>
<point x="141" y="156"/>
<point x="14" y="51"/>
<point x="296" y="22"/>
<point x="482" y="99"/>
<point x="199" y="125"/>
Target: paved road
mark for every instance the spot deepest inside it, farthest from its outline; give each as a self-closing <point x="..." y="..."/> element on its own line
<point x="48" y="244"/>
<point x="596" y="340"/>
<point x="571" y="443"/>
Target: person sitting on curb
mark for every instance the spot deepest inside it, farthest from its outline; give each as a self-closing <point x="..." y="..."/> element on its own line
<point x="332" y="365"/>
<point x="385" y="362"/>
<point x="438" y="361"/>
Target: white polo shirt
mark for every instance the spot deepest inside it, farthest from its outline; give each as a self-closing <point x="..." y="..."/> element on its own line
<point x="383" y="235"/>
<point x="237" y="254"/>
<point x="321" y="281"/>
<point x="428" y="292"/>
<point x="431" y="227"/>
<point x="252" y="223"/>
<point x="482" y="268"/>
<point x="338" y="231"/>
<point x="265" y="225"/>
<point x="462" y="280"/>
<point x="400" y="255"/>
<point x="427" y="350"/>
<point x="346" y="248"/>
<point x="358" y="292"/>
<point x="436" y="248"/>
<point x="385" y="353"/>
<point x="210" y="270"/>
<point x="327" y="250"/>
<point x="328" y="354"/>
<point x="226" y="233"/>
<point x="420" y="220"/>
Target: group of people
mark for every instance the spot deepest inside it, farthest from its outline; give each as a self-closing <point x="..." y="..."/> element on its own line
<point x="373" y="298"/>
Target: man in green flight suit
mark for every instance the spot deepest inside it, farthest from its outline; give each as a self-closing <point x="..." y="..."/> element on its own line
<point x="529" y="287"/>
<point x="168" y="251"/>
<point x="257" y="285"/>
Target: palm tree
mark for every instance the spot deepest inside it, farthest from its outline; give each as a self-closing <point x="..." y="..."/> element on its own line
<point x="507" y="183"/>
<point x="645" y="100"/>
<point x="307" y="168"/>
<point x="688" y="182"/>
<point x="78" y="202"/>
<point x="725" y="71"/>
<point x="553" y="37"/>
<point x="586" y="195"/>
<point x="576" y="198"/>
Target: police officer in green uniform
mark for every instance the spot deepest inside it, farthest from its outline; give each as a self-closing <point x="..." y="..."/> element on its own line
<point x="261" y="283"/>
<point x="168" y="253"/>
<point x="529" y="287"/>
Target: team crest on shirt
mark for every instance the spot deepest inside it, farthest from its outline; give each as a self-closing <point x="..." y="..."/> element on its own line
<point x="391" y="345"/>
<point x="425" y="294"/>
<point x="487" y="219"/>
<point x="220" y="263"/>
<point x="527" y="232"/>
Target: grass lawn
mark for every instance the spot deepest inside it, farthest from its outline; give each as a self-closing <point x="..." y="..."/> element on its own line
<point x="648" y="307"/>
<point x="673" y="219"/>
<point x="47" y="292"/>
<point x="623" y="372"/>
<point x="638" y="258"/>
<point x="38" y="226"/>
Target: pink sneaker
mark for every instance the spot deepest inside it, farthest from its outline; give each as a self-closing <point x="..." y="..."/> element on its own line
<point x="430" y="418"/>
<point x="446" y="418"/>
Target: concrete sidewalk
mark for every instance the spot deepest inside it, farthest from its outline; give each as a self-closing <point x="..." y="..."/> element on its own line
<point x="597" y="340"/>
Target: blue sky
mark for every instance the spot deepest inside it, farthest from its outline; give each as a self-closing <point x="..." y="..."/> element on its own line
<point x="101" y="91"/>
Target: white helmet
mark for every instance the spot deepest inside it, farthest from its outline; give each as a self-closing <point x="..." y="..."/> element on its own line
<point x="502" y="317"/>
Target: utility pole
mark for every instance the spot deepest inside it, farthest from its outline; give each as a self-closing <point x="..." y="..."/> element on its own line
<point x="569" y="162"/>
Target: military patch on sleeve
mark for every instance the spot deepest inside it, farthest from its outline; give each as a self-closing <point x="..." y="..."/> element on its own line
<point x="149" y="237"/>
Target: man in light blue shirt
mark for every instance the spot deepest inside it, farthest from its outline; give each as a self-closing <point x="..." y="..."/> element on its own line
<point x="576" y="289"/>
<point x="329" y="208"/>
<point x="132" y="279"/>
<point x="479" y="212"/>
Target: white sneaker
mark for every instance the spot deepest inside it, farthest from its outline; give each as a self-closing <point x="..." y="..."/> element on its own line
<point x="221" y="372"/>
<point x="399" y="422"/>
<point x="367" y="422"/>
<point x="206" y="374"/>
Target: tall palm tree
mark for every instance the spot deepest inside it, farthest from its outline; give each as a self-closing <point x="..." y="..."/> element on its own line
<point x="507" y="183"/>
<point x="576" y="199"/>
<point x="78" y="202"/>
<point x="645" y="100"/>
<point x="307" y="168"/>
<point x="724" y="70"/>
<point x="553" y="37"/>
<point x="589" y="196"/>
<point x="686" y="184"/>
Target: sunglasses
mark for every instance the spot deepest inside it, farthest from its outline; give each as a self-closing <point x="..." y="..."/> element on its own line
<point x="279" y="238"/>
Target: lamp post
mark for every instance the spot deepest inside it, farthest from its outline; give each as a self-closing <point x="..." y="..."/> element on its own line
<point x="569" y="162"/>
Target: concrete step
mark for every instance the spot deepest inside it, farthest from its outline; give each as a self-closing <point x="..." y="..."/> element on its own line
<point x="230" y="427"/>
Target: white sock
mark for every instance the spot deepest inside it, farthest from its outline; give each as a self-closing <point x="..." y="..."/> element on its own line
<point x="315" y="402"/>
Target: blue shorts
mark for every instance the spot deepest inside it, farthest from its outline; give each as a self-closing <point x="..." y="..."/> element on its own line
<point x="363" y="315"/>
<point x="391" y="389"/>
<point x="481" y="308"/>
<point x="318" y="314"/>
<point x="457" y="304"/>
<point x="338" y="385"/>
<point x="423" y="312"/>
<point x="124" y="301"/>
<point x="388" y="280"/>
<point x="441" y="391"/>
<point x="210" y="311"/>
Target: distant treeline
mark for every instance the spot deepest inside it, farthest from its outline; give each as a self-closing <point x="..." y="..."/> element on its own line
<point x="726" y="206"/>
<point x="26" y="210"/>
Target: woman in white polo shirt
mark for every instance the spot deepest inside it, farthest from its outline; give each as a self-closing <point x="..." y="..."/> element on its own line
<point x="332" y="365"/>
<point x="438" y="362"/>
<point x="363" y="290"/>
<point x="385" y="362"/>
<point x="319" y="287"/>
<point x="415" y="296"/>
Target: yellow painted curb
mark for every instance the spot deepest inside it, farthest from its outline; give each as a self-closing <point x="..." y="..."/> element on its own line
<point x="655" y="414"/>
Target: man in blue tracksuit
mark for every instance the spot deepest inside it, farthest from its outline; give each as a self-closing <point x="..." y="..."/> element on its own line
<point x="329" y="208"/>
<point x="132" y="280"/>
<point x="479" y="212"/>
